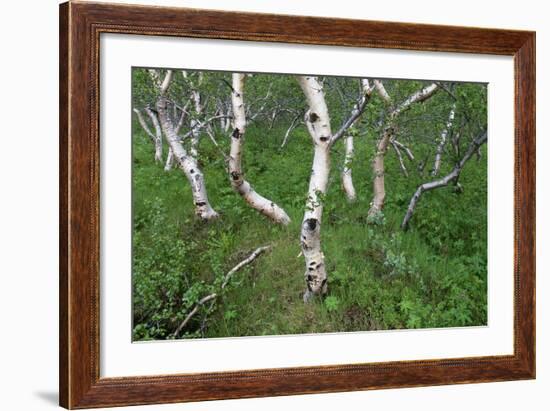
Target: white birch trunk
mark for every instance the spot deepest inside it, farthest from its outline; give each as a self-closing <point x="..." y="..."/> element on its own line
<point x="195" y="131"/>
<point x="387" y="134"/>
<point x="318" y="124"/>
<point x="347" y="180"/>
<point x="239" y="184"/>
<point x="442" y="141"/>
<point x="379" y="187"/>
<point x="188" y="165"/>
<point x="349" y="131"/>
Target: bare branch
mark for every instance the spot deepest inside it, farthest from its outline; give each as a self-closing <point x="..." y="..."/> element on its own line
<point x="226" y="279"/>
<point x="355" y="113"/>
<point x="293" y="125"/>
<point x="452" y="176"/>
<point x="403" y="147"/>
<point x="400" y="157"/>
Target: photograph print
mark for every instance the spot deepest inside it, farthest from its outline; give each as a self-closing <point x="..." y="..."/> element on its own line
<point x="277" y="204"/>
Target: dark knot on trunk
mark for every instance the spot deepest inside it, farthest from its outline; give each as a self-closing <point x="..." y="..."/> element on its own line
<point x="313" y="117"/>
<point x="311" y="223"/>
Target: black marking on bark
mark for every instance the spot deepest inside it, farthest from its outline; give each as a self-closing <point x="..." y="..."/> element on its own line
<point x="309" y="287"/>
<point x="200" y="204"/>
<point x="236" y="133"/>
<point x="192" y="171"/>
<point x="324" y="138"/>
<point x="319" y="266"/>
<point x="311" y="223"/>
<point x="313" y="117"/>
<point x="234" y="175"/>
<point x="323" y="282"/>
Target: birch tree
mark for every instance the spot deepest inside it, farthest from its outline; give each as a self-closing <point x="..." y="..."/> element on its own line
<point x="386" y="137"/>
<point x="187" y="163"/>
<point x="351" y="132"/>
<point x="238" y="182"/>
<point x="317" y="121"/>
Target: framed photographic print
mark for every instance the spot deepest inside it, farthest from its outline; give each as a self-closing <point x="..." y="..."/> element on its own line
<point x="258" y="205"/>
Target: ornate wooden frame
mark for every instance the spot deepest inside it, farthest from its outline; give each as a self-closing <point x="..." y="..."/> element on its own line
<point x="80" y="27"/>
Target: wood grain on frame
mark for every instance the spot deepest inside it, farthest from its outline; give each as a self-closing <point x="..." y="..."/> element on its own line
<point x="80" y="27"/>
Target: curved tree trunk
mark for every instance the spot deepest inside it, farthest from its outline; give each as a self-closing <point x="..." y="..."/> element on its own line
<point x="187" y="163"/>
<point x="451" y="177"/>
<point x="387" y="134"/>
<point x="239" y="184"/>
<point x="318" y="124"/>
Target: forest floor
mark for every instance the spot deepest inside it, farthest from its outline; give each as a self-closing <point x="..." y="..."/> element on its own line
<point x="380" y="277"/>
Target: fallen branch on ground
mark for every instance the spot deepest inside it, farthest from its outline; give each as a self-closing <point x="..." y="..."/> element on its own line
<point x="226" y="279"/>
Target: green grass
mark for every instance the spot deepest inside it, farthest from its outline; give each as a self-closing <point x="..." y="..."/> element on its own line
<point x="433" y="275"/>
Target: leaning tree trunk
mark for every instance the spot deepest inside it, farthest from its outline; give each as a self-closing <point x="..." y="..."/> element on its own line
<point x="239" y="184"/>
<point x="318" y="124"/>
<point x="451" y="177"/>
<point x="387" y="134"/>
<point x="442" y="141"/>
<point x="187" y="163"/>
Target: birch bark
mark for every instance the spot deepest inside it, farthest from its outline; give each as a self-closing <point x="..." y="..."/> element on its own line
<point x="387" y="134"/>
<point x="318" y="124"/>
<point x="347" y="180"/>
<point x="238" y="182"/>
<point x="158" y="134"/>
<point x="442" y="141"/>
<point x="442" y="182"/>
<point x="187" y="163"/>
